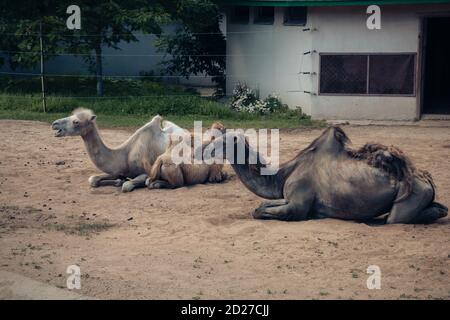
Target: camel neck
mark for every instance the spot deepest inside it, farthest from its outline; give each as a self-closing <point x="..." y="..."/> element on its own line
<point x="100" y="154"/>
<point x="265" y="186"/>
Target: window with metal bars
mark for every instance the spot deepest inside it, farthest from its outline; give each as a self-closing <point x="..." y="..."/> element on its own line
<point x="367" y="74"/>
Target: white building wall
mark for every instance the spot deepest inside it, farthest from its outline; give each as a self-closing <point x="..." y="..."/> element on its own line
<point x="269" y="58"/>
<point x="339" y="30"/>
<point x="343" y="29"/>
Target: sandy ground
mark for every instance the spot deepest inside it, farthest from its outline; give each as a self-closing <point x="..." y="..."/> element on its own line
<point x="200" y="242"/>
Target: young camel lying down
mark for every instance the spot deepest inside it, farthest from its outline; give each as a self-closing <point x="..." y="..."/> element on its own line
<point x="165" y="174"/>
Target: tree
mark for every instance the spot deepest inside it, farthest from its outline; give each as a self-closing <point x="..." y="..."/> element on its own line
<point x="104" y="23"/>
<point x="198" y="45"/>
<point x="20" y="23"/>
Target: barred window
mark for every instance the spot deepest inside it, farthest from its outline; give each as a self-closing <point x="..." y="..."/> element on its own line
<point x="239" y="15"/>
<point x="376" y="74"/>
<point x="343" y="74"/>
<point x="295" y="16"/>
<point x="391" y="74"/>
<point x="264" y="15"/>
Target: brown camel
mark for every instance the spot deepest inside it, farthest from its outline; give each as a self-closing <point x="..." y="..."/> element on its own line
<point x="165" y="174"/>
<point x="329" y="180"/>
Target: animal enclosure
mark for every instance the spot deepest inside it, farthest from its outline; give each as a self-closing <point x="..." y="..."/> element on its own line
<point x="200" y="242"/>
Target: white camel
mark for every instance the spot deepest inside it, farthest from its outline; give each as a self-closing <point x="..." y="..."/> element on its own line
<point x="127" y="160"/>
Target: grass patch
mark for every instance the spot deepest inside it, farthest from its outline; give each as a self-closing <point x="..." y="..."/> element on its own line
<point x="81" y="229"/>
<point x="133" y="121"/>
<point x="132" y="103"/>
<point x="86" y="86"/>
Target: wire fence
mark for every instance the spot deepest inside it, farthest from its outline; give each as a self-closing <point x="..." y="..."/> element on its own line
<point x="30" y="96"/>
<point x="43" y="53"/>
<point x="133" y="55"/>
<point x="64" y="34"/>
<point x="109" y="76"/>
<point x="139" y="76"/>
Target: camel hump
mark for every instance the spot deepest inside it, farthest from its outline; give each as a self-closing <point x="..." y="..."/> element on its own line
<point x="171" y="128"/>
<point x="332" y="140"/>
<point x="156" y="120"/>
<point x="394" y="162"/>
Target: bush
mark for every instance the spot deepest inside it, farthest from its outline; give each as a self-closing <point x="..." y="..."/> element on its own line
<point x="245" y="100"/>
<point x="274" y="104"/>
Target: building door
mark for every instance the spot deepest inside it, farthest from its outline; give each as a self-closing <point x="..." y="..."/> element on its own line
<point x="436" y="84"/>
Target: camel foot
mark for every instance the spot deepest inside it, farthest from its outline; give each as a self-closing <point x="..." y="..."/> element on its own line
<point x="268" y="209"/>
<point x="128" y="186"/>
<point x="104" y="180"/>
<point x="283" y="209"/>
<point x="432" y="213"/>
<point x="159" y="184"/>
<point x="375" y="222"/>
<point x="272" y="203"/>
<point x="154" y="185"/>
<point x="94" y="181"/>
<point x="219" y="177"/>
<point x="118" y="183"/>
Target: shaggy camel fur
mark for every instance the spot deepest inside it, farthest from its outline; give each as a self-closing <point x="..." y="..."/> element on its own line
<point x="166" y="174"/>
<point x="124" y="162"/>
<point x="329" y="180"/>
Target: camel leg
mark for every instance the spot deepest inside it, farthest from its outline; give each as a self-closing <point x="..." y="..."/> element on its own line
<point x="273" y="203"/>
<point x="283" y="210"/>
<point x="105" y="180"/>
<point x="173" y="178"/>
<point x="216" y="174"/>
<point x="159" y="184"/>
<point x="410" y="210"/>
<point x="114" y="183"/>
<point x="137" y="182"/>
<point x="431" y="213"/>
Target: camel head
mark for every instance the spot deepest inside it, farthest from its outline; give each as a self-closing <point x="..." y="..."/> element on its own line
<point x="235" y="147"/>
<point x="78" y="124"/>
<point x="218" y="126"/>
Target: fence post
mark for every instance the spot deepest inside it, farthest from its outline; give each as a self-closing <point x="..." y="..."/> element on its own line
<point x="44" y="103"/>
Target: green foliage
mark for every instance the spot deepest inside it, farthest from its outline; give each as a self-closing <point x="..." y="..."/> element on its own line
<point x="85" y="86"/>
<point x="198" y="45"/>
<point x="20" y="26"/>
<point x="131" y="103"/>
<point x="274" y="104"/>
<point x="104" y="23"/>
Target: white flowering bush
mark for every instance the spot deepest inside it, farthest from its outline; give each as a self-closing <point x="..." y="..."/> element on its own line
<point x="244" y="100"/>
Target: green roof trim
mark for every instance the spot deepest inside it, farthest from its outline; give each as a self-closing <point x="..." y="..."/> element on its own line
<point x="320" y="3"/>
